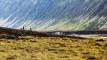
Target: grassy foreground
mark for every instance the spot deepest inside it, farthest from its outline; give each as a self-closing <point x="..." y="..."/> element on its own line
<point x="53" y="48"/>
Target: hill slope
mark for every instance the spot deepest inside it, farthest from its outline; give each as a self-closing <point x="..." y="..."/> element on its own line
<point x="54" y="14"/>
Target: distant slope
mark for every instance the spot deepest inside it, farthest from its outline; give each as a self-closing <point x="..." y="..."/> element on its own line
<point x="54" y="15"/>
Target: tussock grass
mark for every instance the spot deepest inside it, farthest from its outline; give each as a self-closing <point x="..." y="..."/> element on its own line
<point x="53" y="48"/>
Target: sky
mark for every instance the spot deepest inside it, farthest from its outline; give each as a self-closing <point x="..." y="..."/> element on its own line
<point x="54" y="15"/>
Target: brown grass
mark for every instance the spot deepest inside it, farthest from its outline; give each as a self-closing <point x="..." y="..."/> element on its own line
<point x="53" y="48"/>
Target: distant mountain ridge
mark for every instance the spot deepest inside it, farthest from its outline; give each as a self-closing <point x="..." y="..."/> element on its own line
<point x="54" y="15"/>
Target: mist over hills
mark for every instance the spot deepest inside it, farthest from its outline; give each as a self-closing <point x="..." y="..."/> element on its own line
<point x="54" y="14"/>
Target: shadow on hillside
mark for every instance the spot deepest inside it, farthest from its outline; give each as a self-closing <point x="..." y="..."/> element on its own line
<point x="16" y="33"/>
<point x="16" y="36"/>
